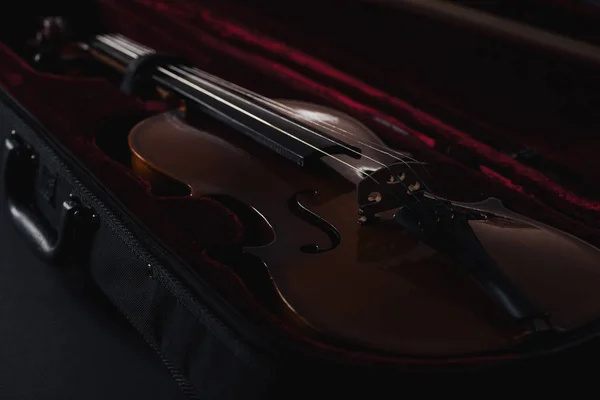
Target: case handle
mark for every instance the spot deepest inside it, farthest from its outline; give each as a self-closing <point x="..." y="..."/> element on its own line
<point x="20" y="166"/>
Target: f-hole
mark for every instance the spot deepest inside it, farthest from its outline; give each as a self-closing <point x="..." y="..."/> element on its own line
<point x="257" y="230"/>
<point x="306" y="215"/>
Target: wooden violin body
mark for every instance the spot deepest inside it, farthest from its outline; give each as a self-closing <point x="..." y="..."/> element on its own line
<point x="373" y="285"/>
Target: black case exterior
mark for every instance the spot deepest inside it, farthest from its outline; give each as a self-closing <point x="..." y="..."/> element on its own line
<point x="60" y="337"/>
<point x="197" y="349"/>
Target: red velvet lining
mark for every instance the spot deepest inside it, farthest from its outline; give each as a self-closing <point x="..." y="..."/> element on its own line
<point x="83" y="112"/>
<point x="539" y="117"/>
<point x="299" y="58"/>
<point x="554" y="144"/>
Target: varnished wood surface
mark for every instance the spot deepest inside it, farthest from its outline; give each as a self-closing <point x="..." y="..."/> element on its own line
<point x="380" y="287"/>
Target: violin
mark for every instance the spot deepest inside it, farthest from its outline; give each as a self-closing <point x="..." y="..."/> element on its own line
<point x="359" y="245"/>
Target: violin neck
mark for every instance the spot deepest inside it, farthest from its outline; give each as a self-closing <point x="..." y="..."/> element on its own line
<point x="264" y="120"/>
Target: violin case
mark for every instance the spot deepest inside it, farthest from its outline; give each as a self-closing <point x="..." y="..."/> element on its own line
<point x="514" y="115"/>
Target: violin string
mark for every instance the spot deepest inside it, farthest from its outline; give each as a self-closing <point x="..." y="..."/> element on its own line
<point x="300" y="126"/>
<point x="324" y="124"/>
<point x="142" y="51"/>
<point x="283" y="131"/>
<point x="260" y="98"/>
<point x="262" y="121"/>
<point x="284" y="107"/>
<point x="131" y="43"/>
<point x="278" y="105"/>
<point x="291" y="113"/>
<point x="145" y="50"/>
<point x="122" y="47"/>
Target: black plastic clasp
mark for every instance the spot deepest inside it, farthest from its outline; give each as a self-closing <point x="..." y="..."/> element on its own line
<point x="137" y="72"/>
<point x="48" y="241"/>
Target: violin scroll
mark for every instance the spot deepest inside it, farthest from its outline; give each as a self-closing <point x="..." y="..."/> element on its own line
<point x="49" y="41"/>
